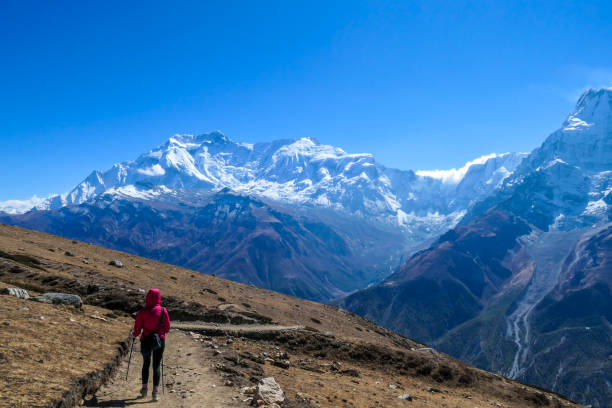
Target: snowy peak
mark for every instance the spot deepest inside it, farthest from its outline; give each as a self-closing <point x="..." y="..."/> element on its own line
<point x="593" y="108"/>
<point x="195" y="141"/>
<point x="585" y="139"/>
<point x="566" y="183"/>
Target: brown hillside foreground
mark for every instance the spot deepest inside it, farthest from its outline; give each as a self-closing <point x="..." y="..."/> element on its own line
<point x="321" y="357"/>
<point x="47" y="348"/>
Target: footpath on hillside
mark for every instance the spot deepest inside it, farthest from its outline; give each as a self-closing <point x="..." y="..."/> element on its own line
<point x="189" y="367"/>
<point x="233" y="329"/>
<point x="190" y="378"/>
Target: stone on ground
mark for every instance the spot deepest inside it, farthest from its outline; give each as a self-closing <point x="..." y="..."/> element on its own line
<point x="117" y="263"/>
<point x="60" y="298"/>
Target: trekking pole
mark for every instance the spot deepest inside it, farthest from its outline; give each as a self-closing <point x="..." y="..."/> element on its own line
<point x="130" y="359"/>
<point x="163" y="379"/>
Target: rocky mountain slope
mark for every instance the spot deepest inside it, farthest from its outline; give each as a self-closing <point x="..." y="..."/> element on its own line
<point x="517" y="287"/>
<point x="447" y="284"/>
<point x="332" y="359"/>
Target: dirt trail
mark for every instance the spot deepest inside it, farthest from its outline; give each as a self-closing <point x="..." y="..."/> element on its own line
<point x="234" y="328"/>
<point x="189" y="375"/>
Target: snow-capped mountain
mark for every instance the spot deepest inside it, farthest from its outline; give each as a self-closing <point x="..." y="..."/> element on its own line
<point x="329" y="221"/>
<point x="300" y="172"/>
<point x="584" y="139"/>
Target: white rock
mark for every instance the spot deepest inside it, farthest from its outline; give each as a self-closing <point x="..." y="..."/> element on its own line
<point x="248" y="390"/>
<point x="269" y="391"/>
<point x="117" y="263"/>
<point x="17" y="292"/>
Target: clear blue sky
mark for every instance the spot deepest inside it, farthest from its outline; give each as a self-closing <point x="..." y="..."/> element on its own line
<point x="421" y="85"/>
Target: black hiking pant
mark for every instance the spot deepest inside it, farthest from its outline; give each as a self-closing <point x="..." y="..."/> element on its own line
<point x="157" y="357"/>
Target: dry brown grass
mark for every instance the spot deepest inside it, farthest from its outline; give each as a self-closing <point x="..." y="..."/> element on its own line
<point x="46" y="348"/>
<point x="372" y="387"/>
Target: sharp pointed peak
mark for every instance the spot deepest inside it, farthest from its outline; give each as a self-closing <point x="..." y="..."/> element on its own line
<point x="593" y="106"/>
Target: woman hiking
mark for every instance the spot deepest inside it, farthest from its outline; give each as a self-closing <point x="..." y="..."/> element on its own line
<point x="153" y="319"/>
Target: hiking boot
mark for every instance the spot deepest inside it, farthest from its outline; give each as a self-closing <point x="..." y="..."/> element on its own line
<point x="155" y="396"/>
<point x="143" y="392"/>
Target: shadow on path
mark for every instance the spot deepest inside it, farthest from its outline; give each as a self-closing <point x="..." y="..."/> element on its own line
<point x="116" y="402"/>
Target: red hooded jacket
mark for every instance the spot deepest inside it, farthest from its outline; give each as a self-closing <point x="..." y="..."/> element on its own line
<point x="147" y="318"/>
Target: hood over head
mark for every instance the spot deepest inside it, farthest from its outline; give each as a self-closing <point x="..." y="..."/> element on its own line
<point x="153" y="297"/>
